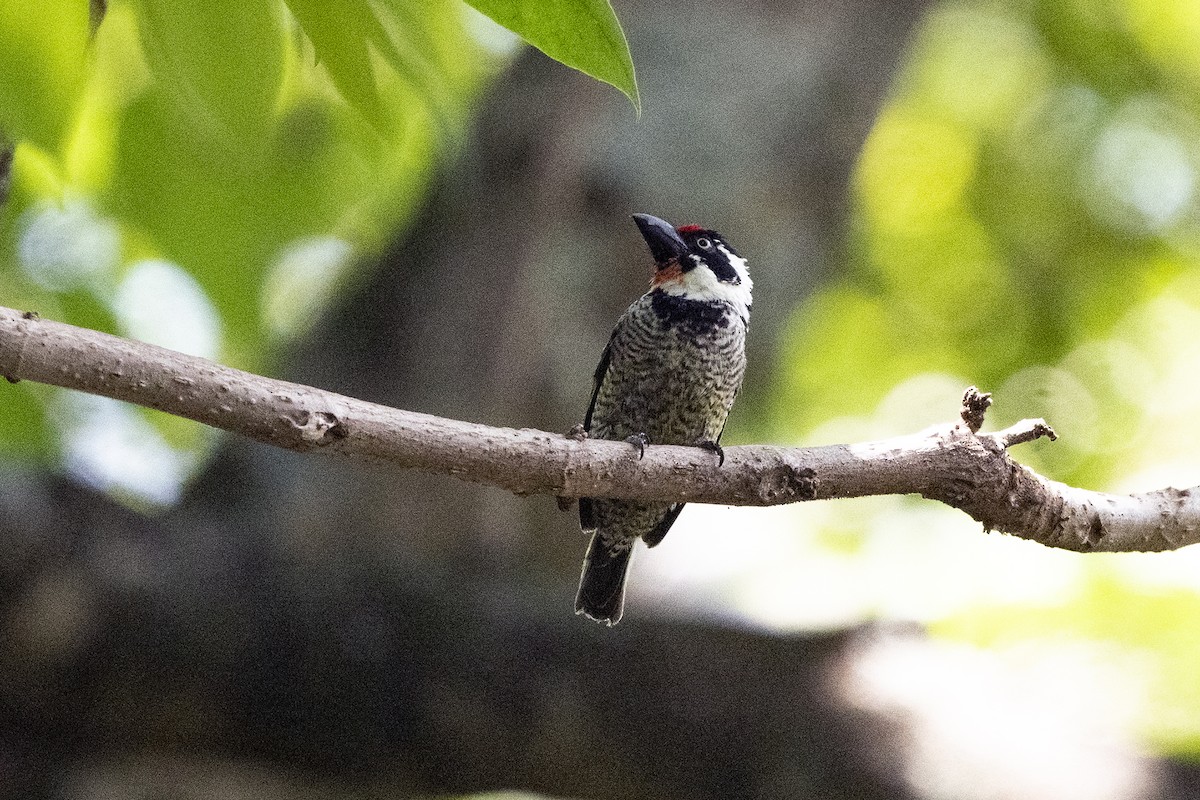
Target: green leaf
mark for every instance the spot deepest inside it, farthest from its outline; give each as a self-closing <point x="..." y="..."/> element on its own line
<point x="41" y="69"/>
<point x="341" y="35"/>
<point x="583" y="34"/>
<point x="222" y="60"/>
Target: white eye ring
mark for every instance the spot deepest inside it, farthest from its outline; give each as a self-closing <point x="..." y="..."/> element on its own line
<point x="703" y="243"/>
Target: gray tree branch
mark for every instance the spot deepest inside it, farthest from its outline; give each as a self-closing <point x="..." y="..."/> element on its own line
<point x="953" y="464"/>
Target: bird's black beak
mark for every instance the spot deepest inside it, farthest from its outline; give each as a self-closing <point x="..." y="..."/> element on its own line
<point x="665" y="244"/>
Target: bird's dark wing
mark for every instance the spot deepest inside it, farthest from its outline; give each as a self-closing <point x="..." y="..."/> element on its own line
<point x="587" y="513"/>
<point x="597" y="380"/>
<point x="660" y="530"/>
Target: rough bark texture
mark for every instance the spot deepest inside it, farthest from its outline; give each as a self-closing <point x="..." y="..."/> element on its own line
<point x="955" y="465"/>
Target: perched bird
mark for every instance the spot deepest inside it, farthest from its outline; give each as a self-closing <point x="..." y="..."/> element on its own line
<point x="669" y="375"/>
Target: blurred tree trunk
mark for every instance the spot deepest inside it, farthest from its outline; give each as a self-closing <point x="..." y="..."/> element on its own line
<point x="496" y="305"/>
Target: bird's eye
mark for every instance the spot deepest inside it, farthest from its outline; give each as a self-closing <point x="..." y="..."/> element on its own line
<point x="703" y="243"/>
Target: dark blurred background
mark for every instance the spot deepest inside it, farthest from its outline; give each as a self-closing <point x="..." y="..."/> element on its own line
<point x="930" y="195"/>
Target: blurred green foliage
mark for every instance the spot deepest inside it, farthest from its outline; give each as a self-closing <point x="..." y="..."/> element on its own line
<point x="1026" y="194"/>
<point x="1026" y="221"/>
<point x="206" y="175"/>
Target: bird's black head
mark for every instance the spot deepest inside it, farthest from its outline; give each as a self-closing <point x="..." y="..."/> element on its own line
<point x="694" y="262"/>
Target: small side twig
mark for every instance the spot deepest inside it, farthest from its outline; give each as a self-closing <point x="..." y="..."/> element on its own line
<point x="1027" y="430"/>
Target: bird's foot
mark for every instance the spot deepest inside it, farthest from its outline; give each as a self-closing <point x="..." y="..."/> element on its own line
<point x="713" y="447"/>
<point x="639" y="440"/>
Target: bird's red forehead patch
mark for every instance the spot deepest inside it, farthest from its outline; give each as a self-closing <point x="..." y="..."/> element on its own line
<point x="690" y="228"/>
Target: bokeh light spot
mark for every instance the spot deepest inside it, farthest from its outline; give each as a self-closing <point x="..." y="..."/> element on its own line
<point x="64" y="247"/>
<point x="914" y="170"/>
<point x="1139" y="179"/>
<point x="160" y="303"/>
<point x="301" y="280"/>
<point x="978" y="66"/>
<point x="112" y="447"/>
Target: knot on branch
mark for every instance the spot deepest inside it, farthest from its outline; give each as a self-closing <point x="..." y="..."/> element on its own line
<point x="319" y="427"/>
<point x="788" y="482"/>
<point x="974" y="405"/>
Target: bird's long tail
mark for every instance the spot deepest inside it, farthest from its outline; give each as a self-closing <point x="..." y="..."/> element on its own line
<point x="602" y="584"/>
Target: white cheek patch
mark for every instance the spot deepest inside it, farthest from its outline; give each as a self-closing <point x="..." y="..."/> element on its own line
<point x="701" y="284"/>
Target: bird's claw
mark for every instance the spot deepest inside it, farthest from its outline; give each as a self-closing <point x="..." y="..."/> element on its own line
<point x="639" y="440"/>
<point x="713" y="447"/>
<point x="577" y="433"/>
